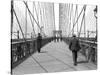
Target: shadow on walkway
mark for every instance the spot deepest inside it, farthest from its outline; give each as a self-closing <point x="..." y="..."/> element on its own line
<point x="43" y="52"/>
<point x="80" y="62"/>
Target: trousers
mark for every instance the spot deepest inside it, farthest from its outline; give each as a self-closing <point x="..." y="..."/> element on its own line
<point x="74" y="54"/>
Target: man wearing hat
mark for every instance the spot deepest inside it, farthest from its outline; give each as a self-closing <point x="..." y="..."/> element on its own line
<point x="39" y="42"/>
<point x="74" y="46"/>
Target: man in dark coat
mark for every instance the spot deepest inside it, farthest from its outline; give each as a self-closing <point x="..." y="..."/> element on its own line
<point x="39" y="42"/>
<point x="74" y="46"/>
<point x="19" y="51"/>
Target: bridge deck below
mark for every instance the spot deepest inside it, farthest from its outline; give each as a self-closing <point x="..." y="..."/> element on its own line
<point x="54" y="57"/>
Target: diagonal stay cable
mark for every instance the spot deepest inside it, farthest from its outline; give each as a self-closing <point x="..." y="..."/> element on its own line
<point x="36" y="12"/>
<point x="19" y="24"/>
<point x="74" y="18"/>
<point x="77" y="19"/>
<point x="32" y="15"/>
<point x="82" y="22"/>
<point x="32" y="24"/>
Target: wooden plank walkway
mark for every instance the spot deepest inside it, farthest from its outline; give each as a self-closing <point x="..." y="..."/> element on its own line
<point x="54" y="57"/>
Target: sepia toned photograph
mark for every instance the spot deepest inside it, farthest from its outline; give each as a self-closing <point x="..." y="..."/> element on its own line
<point x="48" y="37"/>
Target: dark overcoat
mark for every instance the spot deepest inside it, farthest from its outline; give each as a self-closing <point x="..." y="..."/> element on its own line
<point x="39" y="41"/>
<point x="74" y="44"/>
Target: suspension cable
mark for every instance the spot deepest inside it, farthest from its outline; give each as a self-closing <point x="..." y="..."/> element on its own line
<point x="77" y="16"/>
<point x="70" y="17"/>
<point x="41" y="15"/>
<point x="74" y="18"/>
<point x="19" y="24"/>
<point x="54" y="16"/>
<point x="68" y="8"/>
<point x="32" y="15"/>
<point x="36" y="12"/>
<point x="26" y="22"/>
<point x="32" y="23"/>
<point x="44" y="17"/>
<point x="77" y="19"/>
<point x="82" y="21"/>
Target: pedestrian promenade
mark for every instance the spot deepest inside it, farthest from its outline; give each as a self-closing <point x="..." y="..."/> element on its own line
<point x="54" y="57"/>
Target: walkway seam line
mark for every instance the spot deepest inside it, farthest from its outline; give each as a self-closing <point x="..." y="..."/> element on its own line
<point x="39" y="64"/>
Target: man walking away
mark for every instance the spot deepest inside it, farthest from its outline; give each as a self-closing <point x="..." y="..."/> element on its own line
<point x="74" y="46"/>
<point x="39" y="42"/>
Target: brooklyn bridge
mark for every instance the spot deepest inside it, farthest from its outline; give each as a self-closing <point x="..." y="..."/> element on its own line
<point x="56" y="23"/>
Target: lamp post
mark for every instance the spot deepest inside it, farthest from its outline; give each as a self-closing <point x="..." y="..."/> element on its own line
<point x="95" y="14"/>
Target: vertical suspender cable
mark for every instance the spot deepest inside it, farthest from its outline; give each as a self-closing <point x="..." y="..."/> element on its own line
<point x="77" y="16"/>
<point x="84" y="23"/>
<point x="41" y="15"/>
<point x="32" y="23"/>
<point x="26" y="23"/>
<point x="70" y="17"/>
<point x="74" y="19"/>
<point x="67" y="11"/>
<point x="44" y="18"/>
<point x="36" y="13"/>
<point x="54" y="16"/>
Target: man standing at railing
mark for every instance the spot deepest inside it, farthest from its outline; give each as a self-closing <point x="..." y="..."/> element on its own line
<point x="39" y="42"/>
<point x="74" y="46"/>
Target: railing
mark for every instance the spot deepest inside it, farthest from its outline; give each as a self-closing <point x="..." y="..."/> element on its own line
<point x="21" y="50"/>
<point x="88" y="49"/>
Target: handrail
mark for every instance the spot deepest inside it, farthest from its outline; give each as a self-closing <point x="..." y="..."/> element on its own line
<point x="87" y="41"/>
<point x="28" y="40"/>
<point x="22" y="50"/>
